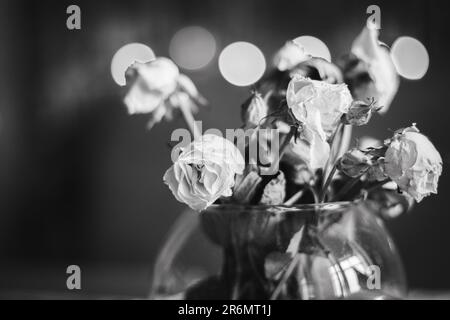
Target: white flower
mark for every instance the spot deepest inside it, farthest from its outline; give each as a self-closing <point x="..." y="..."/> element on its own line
<point x="413" y="163"/>
<point x="318" y="105"/>
<point x="379" y="65"/>
<point x="153" y="82"/>
<point x="204" y="171"/>
<point x="157" y="88"/>
<point x="290" y="55"/>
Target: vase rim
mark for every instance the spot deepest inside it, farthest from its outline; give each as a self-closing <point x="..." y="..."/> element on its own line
<point x="293" y="208"/>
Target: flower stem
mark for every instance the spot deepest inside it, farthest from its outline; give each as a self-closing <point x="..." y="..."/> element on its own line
<point x="314" y="193"/>
<point x="285" y="143"/>
<point x="294" y="262"/>
<point x="336" y="140"/>
<point x="335" y="264"/>
<point x="190" y="121"/>
<point x="294" y="198"/>
<point x="345" y="140"/>
<point x="327" y="183"/>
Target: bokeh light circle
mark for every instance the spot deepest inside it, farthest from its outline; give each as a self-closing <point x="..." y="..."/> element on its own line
<point x="410" y="58"/>
<point x="314" y="46"/>
<point x="192" y="47"/>
<point x="242" y="63"/>
<point x="126" y="56"/>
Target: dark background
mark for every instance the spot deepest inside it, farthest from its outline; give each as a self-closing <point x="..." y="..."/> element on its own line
<point x="81" y="181"/>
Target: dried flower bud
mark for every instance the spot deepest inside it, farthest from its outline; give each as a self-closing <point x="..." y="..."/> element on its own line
<point x="354" y="163"/>
<point x="360" y="113"/>
<point x="254" y="110"/>
<point x="376" y="171"/>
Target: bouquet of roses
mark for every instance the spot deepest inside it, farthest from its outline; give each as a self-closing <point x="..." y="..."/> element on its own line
<point x="292" y="149"/>
<point x="293" y="146"/>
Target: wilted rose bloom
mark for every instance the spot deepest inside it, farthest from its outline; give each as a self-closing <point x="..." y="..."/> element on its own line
<point x="373" y="60"/>
<point x="254" y="110"/>
<point x="204" y="171"/>
<point x="319" y="106"/>
<point x="151" y="84"/>
<point x="360" y="113"/>
<point x="159" y="89"/>
<point x="413" y="163"/>
<point x="171" y="106"/>
<point x="290" y="55"/>
<point x="354" y="163"/>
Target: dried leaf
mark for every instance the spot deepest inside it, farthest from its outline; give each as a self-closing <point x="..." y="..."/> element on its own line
<point x="275" y="191"/>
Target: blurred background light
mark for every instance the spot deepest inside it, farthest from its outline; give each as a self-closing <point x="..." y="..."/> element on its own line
<point x="242" y="63"/>
<point x="314" y="46"/>
<point x="410" y="58"/>
<point x="126" y="56"/>
<point x="192" y="47"/>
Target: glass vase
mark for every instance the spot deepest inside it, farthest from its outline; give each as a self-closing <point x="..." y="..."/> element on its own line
<point x="329" y="251"/>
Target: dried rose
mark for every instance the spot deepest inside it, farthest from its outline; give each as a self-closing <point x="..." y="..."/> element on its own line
<point x="204" y="171"/>
<point x="413" y="163"/>
<point x="152" y="83"/>
<point x="159" y="89"/>
<point x="369" y="71"/>
<point x="318" y="105"/>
